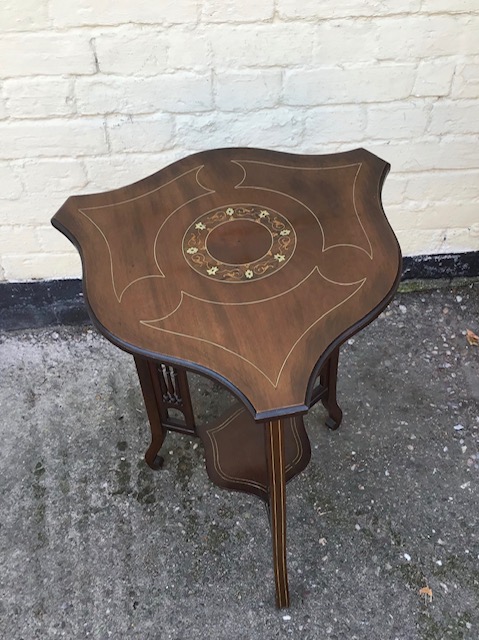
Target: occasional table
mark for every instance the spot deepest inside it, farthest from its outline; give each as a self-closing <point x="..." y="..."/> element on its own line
<point x="251" y="267"/>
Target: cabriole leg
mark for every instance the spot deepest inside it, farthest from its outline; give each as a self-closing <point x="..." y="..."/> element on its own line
<point x="328" y="379"/>
<point x="148" y="375"/>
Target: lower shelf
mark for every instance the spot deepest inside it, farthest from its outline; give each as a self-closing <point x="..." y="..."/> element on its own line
<point x="236" y="455"/>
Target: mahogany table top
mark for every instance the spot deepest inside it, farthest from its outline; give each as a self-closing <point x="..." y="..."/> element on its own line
<point x="247" y="265"/>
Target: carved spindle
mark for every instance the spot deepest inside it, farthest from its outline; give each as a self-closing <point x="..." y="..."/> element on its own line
<point x="161" y="378"/>
<point x="176" y="383"/>
<point x="171" y="388"/>
<point x="173" y="393"/>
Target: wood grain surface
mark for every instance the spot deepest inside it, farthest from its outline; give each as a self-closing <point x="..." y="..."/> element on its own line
<point x="247" y="265"/>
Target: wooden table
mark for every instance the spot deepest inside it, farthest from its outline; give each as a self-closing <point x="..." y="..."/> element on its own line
<point x="251" y="267"/>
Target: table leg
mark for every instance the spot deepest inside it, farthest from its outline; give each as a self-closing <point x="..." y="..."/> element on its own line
<point x="274" y="434"/>
<point x="328" y="379"/>
<point x="148" y="375"/>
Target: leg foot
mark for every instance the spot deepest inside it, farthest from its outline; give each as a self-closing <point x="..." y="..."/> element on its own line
<point x="333" y="423"/>
<point x="157" y="462"/>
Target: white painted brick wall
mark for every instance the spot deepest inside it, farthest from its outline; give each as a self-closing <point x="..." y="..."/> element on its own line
<point x="55" y="137"/>
<point x="275" y="44"/>
<point x="400" y="39"/>
<point x="247" y="90"/>
<point x="234" y="11"/>
<point x="3" y="109"/>
<point x="339" y="123"/>
<point x="40" y="97"/>
<point x="445" y="6"/>
<point x="441" y="186"/>
<point x="466" y="80"/>
<point x="429" y="154"/>
<point x="140" y="133"/>
<point x="346" y="8"/>
<point x="281" y="128"/>
<point x="53" y="176"/>
<point x="11" y="185"/>
<point x="97" y="94"/>
<point x="131" y="51"/>
<point x="369" y="83"/>
<point x="434" y="77"/>
<point x="174" y="92"/>
<point x="32" y="15"/>
<point x="90" y="13"/>
<point x="455" y="117"/>
<point x="401" y="120"/>
<point x="108" y="172"/>
<point x="46" y="53"/>
<point x="189" y="48"/>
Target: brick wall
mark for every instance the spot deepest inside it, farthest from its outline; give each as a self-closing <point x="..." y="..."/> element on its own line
<point x="97" y="94"/>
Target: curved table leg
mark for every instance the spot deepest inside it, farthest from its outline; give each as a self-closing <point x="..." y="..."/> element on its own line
<point x="148" y="375"/>
<point x="274" y="434"/>
<point x="328" y="379"/>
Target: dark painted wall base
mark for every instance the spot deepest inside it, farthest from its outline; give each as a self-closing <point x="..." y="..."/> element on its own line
<point x="450" y="265"/>
<point x="27" y="305"/>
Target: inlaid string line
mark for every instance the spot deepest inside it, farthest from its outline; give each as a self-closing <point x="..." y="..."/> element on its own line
<point x="276" y="480"/>
<point x="287" y="195"/>
<point x="274" y="383"/>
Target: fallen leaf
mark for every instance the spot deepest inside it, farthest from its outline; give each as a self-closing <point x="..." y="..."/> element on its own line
<point x="426" y="592"/>
<point x="472" y="338"/>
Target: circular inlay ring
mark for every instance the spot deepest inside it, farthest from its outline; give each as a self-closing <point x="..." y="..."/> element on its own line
<point x="258" y="254"/>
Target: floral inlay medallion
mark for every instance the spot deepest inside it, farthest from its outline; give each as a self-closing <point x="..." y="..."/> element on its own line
<point x="239" y="243"/>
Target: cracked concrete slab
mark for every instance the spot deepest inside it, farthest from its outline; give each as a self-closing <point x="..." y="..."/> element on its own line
<point x="96" y="545"/>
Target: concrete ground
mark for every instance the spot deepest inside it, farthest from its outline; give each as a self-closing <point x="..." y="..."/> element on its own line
<point x="93" y="544"/>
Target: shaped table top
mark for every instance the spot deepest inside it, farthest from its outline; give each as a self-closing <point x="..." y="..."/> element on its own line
<point x="244" y="264"/>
